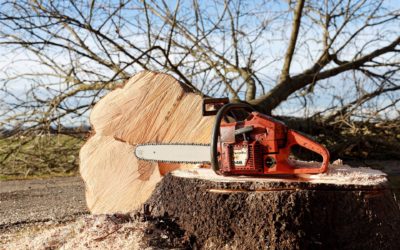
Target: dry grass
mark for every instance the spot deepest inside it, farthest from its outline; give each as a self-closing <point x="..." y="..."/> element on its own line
<point x="38" y="155"/>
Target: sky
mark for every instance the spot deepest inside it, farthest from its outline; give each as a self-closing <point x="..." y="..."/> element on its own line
<point x="270" y="48"/>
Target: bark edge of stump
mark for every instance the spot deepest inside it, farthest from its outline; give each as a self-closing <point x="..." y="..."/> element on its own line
<point x="265" y="213"/>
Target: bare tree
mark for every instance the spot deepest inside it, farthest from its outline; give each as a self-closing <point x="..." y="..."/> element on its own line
<point x="339" y="55"/>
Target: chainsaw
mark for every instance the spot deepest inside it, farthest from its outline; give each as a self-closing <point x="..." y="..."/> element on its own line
<point x="257" y="145"/>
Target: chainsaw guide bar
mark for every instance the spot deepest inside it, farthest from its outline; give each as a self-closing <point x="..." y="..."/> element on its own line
<point x="257" y="145"/>
<point x="191" y="153"/>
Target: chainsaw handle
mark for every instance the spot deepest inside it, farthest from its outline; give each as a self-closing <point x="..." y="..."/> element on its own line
<point x="296" y="138"/>
<point x="216" y="129"/>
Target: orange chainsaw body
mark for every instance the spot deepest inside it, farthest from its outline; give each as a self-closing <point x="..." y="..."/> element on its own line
<point x="265" y="149"/>
<point x="259" y="145"/>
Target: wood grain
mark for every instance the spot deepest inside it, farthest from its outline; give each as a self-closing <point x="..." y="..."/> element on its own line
<point x="151" y="107"/>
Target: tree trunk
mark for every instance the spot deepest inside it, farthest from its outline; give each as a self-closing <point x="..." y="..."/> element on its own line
<point x="151" y="107"/>
<point x="346" y="208"/>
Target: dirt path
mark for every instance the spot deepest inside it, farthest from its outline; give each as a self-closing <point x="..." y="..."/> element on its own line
<point x="28" y="201"/>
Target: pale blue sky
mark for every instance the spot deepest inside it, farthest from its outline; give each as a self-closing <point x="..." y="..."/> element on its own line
<point x="270" y="48"/>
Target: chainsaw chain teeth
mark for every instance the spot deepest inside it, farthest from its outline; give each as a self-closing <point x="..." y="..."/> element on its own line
<point x="184" y="144"/>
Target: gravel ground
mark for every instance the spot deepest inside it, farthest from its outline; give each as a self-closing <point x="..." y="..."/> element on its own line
<point x="29" y="201"/>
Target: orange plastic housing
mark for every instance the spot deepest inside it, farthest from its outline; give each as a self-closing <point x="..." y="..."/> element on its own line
<point x="265" y="149"/>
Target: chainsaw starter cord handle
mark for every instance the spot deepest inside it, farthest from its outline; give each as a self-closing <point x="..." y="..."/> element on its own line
<point x="216" y="129"/>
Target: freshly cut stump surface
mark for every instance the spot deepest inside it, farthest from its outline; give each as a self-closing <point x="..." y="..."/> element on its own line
<point x="346" y="208"/>
<point x="150" y="108"/>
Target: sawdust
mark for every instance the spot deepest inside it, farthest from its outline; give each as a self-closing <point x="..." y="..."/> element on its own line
<point x="338" y="173"/>
<point x="135" y="230"/>
<point x="87" y="232"/>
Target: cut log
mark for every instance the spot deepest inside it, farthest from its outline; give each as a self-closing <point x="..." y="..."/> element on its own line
<point x="346" y="208"/>
<point x="151" y="107"/>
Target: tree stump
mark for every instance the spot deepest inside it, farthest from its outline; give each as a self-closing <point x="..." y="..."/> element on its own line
<point x="346" y="208"/>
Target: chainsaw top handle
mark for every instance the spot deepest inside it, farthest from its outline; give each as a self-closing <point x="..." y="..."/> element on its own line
<point x="216" y="129"/>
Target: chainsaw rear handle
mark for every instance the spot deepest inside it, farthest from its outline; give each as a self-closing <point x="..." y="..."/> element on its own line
<point x="296" y="138"/>
<point x="216" y="129"/>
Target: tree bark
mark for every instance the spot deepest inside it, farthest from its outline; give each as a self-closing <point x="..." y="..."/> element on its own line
<point x="344" y="209"/>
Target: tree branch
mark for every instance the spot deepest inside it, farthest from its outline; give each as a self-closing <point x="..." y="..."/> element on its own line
<point x="284" y="89"/>
<point x="293" y="39"/>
